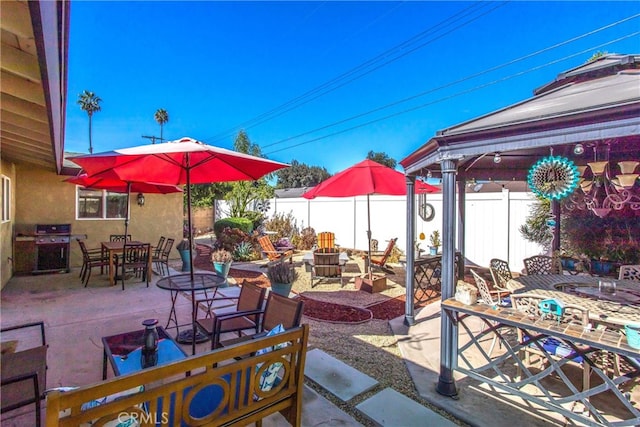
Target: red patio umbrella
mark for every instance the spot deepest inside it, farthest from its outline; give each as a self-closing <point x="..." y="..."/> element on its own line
<point x="120" y="186"/>
<point x="185" y="161"/>
<point x="366" y="178"/>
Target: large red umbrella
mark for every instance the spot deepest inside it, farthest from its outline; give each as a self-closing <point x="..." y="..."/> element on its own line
<point x="367" y="178"/>
<point x="184" y="161"/>
<point x="120" y="186"/>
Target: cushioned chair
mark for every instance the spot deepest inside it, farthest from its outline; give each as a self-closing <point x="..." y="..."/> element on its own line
<point x="542" y="264"/>
<point x="278" y="310"/>
<point x="272" y="253"/>
<point x="161" y="260"/>
<point x="326" y="240"/>
<point x="551" y="347"/>
<point x="380" y="260"/>
<point x="629" y="272"/>
<point x="501" y="274"/>
<point x="91" y="258"/>
<point x="135" y="258"/>
<point x="251" y="298"/>
<point x="24" y="372"/>
<point x="326" y="265"/>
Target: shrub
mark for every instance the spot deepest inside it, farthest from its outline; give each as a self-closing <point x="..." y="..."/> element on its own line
<point x="229" y="238"/>
<point x="283" y="226"/>
<point x="243" y="224"/>
<point x="305" y="240"/>
<point x="256" y="218"/>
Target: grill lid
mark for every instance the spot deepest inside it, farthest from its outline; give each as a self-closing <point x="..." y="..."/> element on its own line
<point x="42" y="229"/>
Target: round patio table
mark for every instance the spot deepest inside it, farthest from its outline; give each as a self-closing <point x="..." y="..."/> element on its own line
<point x="183" y="283"/>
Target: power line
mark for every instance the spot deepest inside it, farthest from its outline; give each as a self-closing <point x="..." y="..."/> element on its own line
<point x="482" y="86"/>
<point x="298" y="100"/>
<point x="462" y="80"/>
<point x="153" y="138"/>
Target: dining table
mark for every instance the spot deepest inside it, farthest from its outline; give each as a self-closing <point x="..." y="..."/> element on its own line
<point x="114" y="248"/>
<point x="613" y="307"/>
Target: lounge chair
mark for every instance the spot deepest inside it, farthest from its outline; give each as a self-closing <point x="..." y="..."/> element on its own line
<point x="272" y="253"/>
<point x="380" y="261"/>
<point x="326" y="240"/>
<point x="326" y="265"/>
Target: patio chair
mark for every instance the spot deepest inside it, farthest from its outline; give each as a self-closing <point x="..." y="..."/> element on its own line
<point x="629" y="272"/>
<point x="326" y="265"/>
<point x="251" y="298"/>
<point x="157" y="249"/>
<point x="542" y="264"/>
<point x="272" y="253"/>
<point x="551" y="347"/>
<point x="24" y="372"/>
<point x="380" y="261"/>
<point x="134" y="258"/>
<point x="120" y="238"/>
<point x="278" y="310"/>
<point x="326" y="239"/>
<point x="501" y="274"/>
<point x="91" y="258"/>
<point x="161" y="260"/>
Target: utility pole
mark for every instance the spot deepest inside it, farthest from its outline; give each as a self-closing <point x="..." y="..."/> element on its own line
<point x="153" y="138"/>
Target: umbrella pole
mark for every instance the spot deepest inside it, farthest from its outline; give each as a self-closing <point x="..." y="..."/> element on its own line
<point x="188" y="169"/>
<point x="126" y="209"/>
<point x="369" y="238"/>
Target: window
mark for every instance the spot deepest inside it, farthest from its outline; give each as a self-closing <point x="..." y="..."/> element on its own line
<point x="100" y="204"/>
<point x="6" y="199"/>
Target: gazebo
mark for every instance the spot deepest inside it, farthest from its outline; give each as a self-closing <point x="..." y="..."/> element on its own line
<point x="589" y="114"/>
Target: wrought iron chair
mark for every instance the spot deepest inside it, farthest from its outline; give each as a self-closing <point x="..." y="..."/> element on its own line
<point x="326" y="240"/>
<point x="278" y="310"/>
<point x="550" y="348"/>
<point x="542" y="264"/>
<point x="91" y="258"/>
<point x="24" y="372"/>
<point x="135" y="258"/>
<point x="629" y="272"/>
<point x="501" y="274"/>
<point x="326" y="265"/>
<point x="157" y="249"/>
<point x="162" y="259"/>
<point x="272" y="253"/>
<point x="250" y="299"/>
<point x="120" y="238"/>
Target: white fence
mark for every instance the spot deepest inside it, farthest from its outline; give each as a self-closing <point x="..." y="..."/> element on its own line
<point x="492" y="222"/>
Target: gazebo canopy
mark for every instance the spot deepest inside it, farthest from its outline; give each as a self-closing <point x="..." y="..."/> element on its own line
<point x="596" y="104"/>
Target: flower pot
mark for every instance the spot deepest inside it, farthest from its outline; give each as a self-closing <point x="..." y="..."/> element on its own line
<point x="433" y="250"/>
<point x="222" y="270"/>
<point x="184" y="255"/>
<point x="283" y="289"/>
<point x="601" y="268"/>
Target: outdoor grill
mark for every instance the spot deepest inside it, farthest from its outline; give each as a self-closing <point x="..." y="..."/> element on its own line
<point x="52" y="248"/>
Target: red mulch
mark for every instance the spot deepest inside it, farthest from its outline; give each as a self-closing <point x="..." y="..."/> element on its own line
<point x="319" y="310"/>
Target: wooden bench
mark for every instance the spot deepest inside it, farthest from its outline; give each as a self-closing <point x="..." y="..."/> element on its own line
<point x="212" y="389"/>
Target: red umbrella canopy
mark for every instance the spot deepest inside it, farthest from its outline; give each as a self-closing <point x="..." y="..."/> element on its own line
<point x="119" y="186"/>
<point x="177" y="162"/>
<point x="364" y="178"/>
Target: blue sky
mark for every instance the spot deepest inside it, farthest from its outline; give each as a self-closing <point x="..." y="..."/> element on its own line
<point x="216" y="67"/>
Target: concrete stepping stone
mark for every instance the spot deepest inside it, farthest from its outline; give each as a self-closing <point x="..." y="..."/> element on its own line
<point x="335" y="376"/>
<point x="390" y="408"/>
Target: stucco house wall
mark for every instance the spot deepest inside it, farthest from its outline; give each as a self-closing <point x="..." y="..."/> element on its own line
<point x="6" y="228"/>
<point x="43" y="197"/>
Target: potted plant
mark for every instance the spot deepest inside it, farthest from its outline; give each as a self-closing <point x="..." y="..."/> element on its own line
<point x="183" y="250"/>
<point x="435" y="242"/>
<point x="281" y="277"/>
<point x="222" y="260"/>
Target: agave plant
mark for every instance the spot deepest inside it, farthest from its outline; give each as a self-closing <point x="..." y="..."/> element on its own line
<point x="243" y="251"/>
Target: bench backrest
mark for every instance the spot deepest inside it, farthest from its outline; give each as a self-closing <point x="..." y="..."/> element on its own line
<point x="220" y="389"/>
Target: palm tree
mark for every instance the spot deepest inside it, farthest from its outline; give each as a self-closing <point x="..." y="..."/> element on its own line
<point x="90" y="103"/>
<point x="161" y="117"/>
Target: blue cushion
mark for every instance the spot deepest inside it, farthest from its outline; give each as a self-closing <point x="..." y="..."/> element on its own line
<point x="557" y="348"/>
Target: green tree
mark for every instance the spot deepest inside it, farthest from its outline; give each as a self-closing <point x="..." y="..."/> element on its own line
<point x="161" y="116"/>
<point x="90" y="103"/>
<point x="301" y="175"/>
<point x="382" y="158"/>
<point x="243" y="194"/>
<point x="535" y="228"/>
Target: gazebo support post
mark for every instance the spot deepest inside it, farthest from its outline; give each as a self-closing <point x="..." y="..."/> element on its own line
<point x="409" y="318"/>
<point x="448" y="332"/>
<point x="462" y="200"/>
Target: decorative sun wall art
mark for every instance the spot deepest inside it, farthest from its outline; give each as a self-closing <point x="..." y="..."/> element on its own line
<point x="553" y="177"/>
